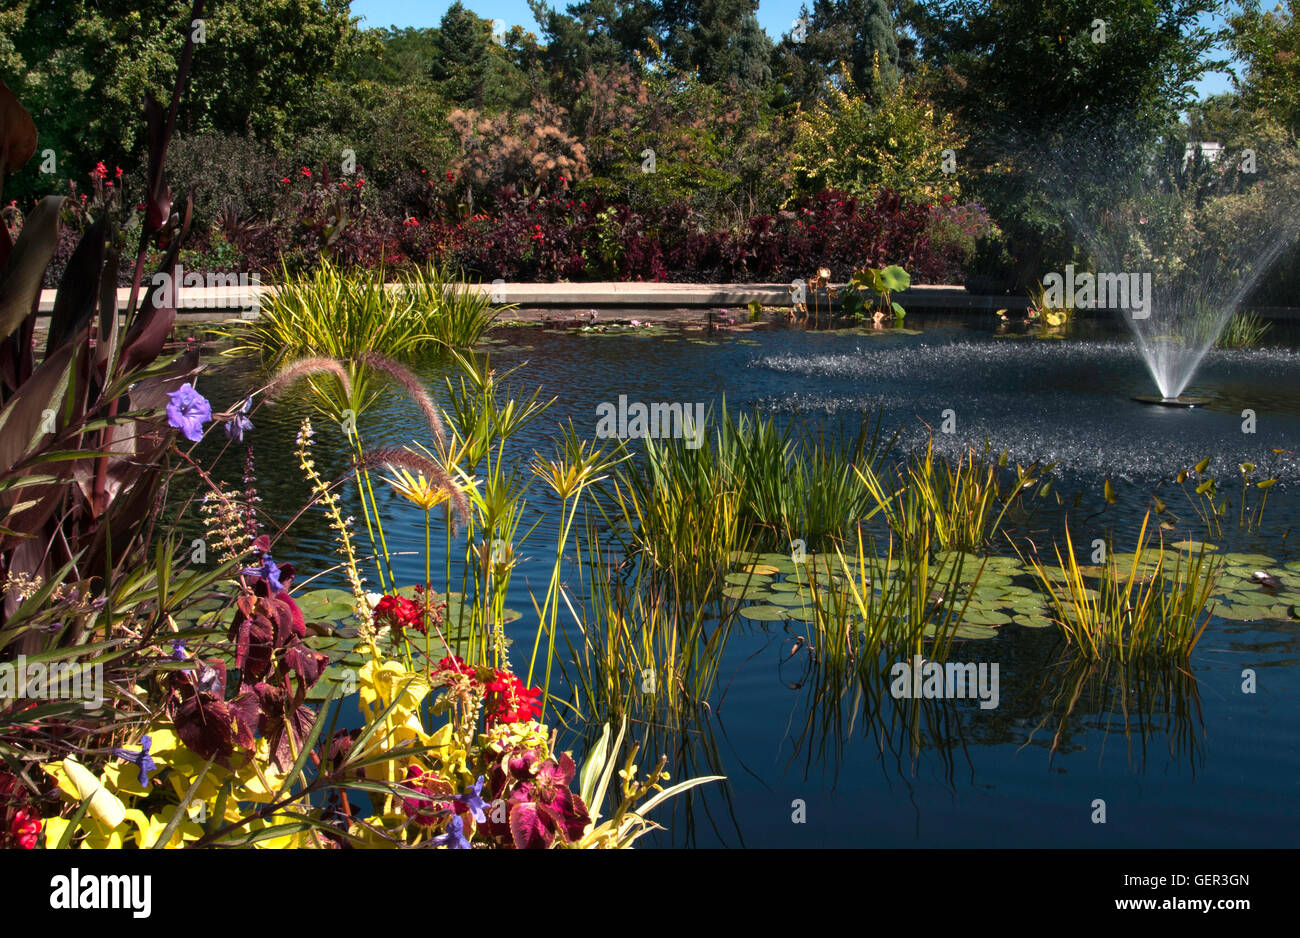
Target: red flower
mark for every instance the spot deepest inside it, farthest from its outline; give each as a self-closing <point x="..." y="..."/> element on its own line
<point x="450" y="176"/>
<point x="306" y="172"/>
<point x="285" y="180"/>
<point x="509" y="701"/>
<point x="454" y="664"/>
<point x="400" y="612"/>
<point x="411" y="223"/>
<point x="25" y="829"/>
<point x="119" y="172"/>
<point x="100" y="171"/>
<point x="360" y="183"/>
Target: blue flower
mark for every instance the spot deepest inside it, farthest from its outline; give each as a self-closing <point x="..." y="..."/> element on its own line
<point x="187" y="411"/>
<point x="473" y="800"/>
<point x="239" y="424"/>
<point x="178" y="650"/>
<point x="268" y="571"/>
<point x="454" y="838"/>
<point x="141" y="758"/>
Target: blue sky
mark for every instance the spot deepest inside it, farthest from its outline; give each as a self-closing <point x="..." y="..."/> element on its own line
<point x="774" y="15"/>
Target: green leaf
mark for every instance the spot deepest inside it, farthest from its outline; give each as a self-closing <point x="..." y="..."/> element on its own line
<point x="182" y="809"/>
<point x="895" y="278"/>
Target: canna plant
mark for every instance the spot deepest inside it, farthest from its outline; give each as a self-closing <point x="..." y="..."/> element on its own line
<point x="82" y="430"/>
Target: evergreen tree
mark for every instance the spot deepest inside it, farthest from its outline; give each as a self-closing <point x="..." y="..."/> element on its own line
<point x="461" y="52"/>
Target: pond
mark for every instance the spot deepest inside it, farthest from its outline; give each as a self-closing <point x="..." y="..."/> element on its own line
<point x="1178" y="758"/>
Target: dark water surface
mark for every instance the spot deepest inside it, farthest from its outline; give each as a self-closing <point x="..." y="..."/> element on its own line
<point x="1178" y="759"/>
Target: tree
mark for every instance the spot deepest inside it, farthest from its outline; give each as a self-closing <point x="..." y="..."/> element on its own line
<point x="84" y="70"/>
<point x="720" y="40"/>
<point x="1035" y="67"/>
<point x="847" y="142"/>
<point x="1269" y="44"/>
<point x="1060" y="98"/>
<point x="839" y="36"/>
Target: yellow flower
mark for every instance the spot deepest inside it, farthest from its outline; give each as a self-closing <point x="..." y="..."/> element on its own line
<point x="417" y="489"/>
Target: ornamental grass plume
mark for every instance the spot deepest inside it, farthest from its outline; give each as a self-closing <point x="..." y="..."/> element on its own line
<point x="411" y="383"/>
<point x="301" y="368"/>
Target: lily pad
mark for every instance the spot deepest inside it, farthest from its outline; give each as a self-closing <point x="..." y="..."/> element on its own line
<point x="1033" y="622"/>
<point x="765" y="613"/>
<point x="745" y="593"/>
<point x="743" y="579"/>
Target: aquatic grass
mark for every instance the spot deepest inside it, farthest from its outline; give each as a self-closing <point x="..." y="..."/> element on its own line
<point x="638" y="649"/>
<point x="1137" y="609"/>
<point x="933" y="502"/>
<point x="793" y="482"/>
<point x="580" y="464"/>
<point x="454" y="313"/>
<point x="678" y="511"/>
<point x="1212" y="509"/>
<point x="1243" y="330"/>
<point x="342" y="313"/>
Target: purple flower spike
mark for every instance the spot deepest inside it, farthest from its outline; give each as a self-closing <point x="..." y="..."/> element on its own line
<point x="187" y="411"/>
<point x="141" y="758"/>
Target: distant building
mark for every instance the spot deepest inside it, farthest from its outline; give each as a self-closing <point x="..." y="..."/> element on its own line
<point x="1210" y="151"/>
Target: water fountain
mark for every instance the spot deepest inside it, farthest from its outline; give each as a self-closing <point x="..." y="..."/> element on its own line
<point x="1204" y="235"/>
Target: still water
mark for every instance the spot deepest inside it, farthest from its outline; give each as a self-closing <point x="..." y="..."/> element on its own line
<point x="1173" y="759"/>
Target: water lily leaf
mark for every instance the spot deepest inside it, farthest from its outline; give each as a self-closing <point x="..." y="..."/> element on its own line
<point x="985" y="617"/>
<point x="1033" y="622"/>
<point x="741" y="579"/>
<point x="765" y="613"/>
<point x="974" y="631"/>
<point x="745" y="593"/>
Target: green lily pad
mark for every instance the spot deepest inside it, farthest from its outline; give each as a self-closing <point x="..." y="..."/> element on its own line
<point x="764" y="613"/>
<point x="1258" y="561"/>
<point x="974" y="631"/>
<point x="1033" y="622"/>
<point x="985" y="617"/>
<point x="744" y="593"/>
<point x="788" y="586"/>
<point x="750" y="579"/>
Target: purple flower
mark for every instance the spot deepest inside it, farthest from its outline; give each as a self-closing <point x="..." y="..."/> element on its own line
<point x="178" y="650"/>
<point x="454" y="838"/>
<point x="239" y="424"/>
<point x="473" y="800"/>
<point x="141" y="758"/>
<point x="269" y="571"/>
<point x="187" y="411"/>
